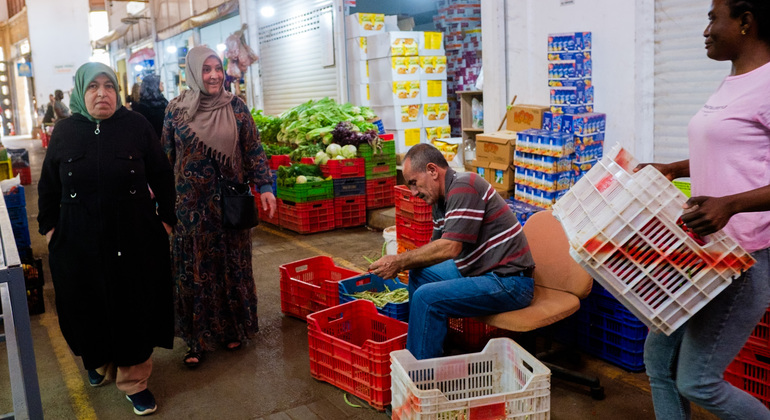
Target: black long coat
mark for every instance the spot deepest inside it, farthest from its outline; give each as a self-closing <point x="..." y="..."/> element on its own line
<point x="109" y="254"/>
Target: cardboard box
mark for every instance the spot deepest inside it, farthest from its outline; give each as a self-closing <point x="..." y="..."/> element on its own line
<point x="407" y="138"/>
<point x="482" y="169"/>
<point x="396" y="43"/>
<point x="359" y="94"/>
<point x="502" y="176"/>
<point x="358" y="72"/>
<point x="523" y="117"/>
<point x="432" y="43"/>
<point x="357" y="49"/>
<point x="435" y="115"/>
<point x="395" y="93"/>
<point x="365" y="24"/>
<point x="496" y="147"/>
<point x="434" y="67"/>
<point x="433" y="91"/>
<point x="399" y="117"/>
<point x="395" y="68"/>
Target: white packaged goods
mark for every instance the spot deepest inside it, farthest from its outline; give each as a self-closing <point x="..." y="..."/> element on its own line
<point x="396" y="43"/>
<point x="395" y="68"/>
<point x="433" y="91"/>
<point x="434" y="67"/>
<point x="357" y="49"/>
<point x="365" y="24"/>
<point x="358" y="71"/>
<point x="405" y="139"/>
<point x="435" y="115"/>
<point x="503" y="381"/>
<point x="399" y="117"/>
<point x="395" y="93"/>
<point x="625" y="230"/>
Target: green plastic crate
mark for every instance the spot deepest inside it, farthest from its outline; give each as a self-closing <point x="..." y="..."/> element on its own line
<point x="310" y="191"/>
<point x="380" y="166"/>
<point x="388" y="149"/>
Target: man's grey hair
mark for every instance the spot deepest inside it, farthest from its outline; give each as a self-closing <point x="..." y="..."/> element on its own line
<point x="424" y="153"/>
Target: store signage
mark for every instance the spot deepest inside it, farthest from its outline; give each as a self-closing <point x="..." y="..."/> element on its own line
<point x="350" y="3"/>
<point x="24" y="69"/>
<point x="567" y="2"/>
<point x="64" y="68"/>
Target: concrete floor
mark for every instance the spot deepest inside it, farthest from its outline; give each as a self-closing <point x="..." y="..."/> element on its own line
<point x="270" y="377"/>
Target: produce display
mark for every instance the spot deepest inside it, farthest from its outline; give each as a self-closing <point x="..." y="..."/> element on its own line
<point x="314" y="121"/>
<point x="268" y="126"/>
<point x="299" y="173"/>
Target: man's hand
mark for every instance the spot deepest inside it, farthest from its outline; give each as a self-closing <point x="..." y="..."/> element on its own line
<point x="386" y="267"/>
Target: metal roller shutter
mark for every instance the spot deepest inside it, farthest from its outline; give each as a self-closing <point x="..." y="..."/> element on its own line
<point x="684" y="76"/>
<point x="296" y="57"/>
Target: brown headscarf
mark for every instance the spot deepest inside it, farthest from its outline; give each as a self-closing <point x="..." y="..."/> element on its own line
<point x="210" y="116"/>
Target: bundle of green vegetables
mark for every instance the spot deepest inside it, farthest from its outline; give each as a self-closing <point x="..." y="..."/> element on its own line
<point x="299" y="173"/>
<point x="276" y="149"/>
<point x="268" y="126"/>
<point x="314" y="121"/>
<point x="381" y="299"/>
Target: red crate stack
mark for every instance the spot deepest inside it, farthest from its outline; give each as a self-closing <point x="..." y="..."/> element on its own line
<point x="349" y="347"/>
<point x="379" y="192"/>
<point x="344" y="168"/>
<point x="750" y="370"/>
<point x="380" y="172"/>
<point x="25" y="174"/>
<point x="414" y="219"/>
<point x="311" y="285"/>
<point x="349" y="211"/>
<point x="309" y="217"/>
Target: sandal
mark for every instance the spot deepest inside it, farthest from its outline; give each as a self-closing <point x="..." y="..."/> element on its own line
<point x="192" y="359"/>
<point x="234" y="345"/>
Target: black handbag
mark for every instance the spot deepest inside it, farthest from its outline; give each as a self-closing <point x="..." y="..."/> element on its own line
<point x="239" y="211"/>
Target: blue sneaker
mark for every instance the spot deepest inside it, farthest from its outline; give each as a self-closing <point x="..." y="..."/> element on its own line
<point x="144" y="402"/>
<point x="95" y="379"/>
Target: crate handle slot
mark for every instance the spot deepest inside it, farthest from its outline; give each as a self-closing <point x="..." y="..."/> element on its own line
<point x="363" y="281"/>
<point x="762" y="358"/>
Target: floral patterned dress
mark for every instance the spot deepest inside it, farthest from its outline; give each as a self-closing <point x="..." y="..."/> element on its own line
<point x="215" y="294"/>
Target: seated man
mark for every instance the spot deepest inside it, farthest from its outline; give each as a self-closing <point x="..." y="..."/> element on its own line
<point x="477" y="263"/>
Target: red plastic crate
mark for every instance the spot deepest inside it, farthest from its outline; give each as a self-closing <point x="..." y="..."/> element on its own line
<point x="311" y="285"/>
<point x="750" y="371"/>
<point x="760" y="337"/>
<point x="25" y="175"/>
<point x="344" y="168"/>
<point x="279" y="160"/>
<point x="264" y="216"/>
<point x="310" y="217"/>
<point x="349" y="211"/>
<point x="379" y="192"/>
<point x="418" y="233"/>
<point x="411" y="207"/>
<point x="386" y="137"/>
<point x="349" y="347"/>
<point x="472" y="335"/>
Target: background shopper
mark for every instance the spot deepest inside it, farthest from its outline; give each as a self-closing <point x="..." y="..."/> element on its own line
<point x="59" y="108"/>
<point x="108" y="247"/>
<point x="209" y="131"/>
<point x="152" y="104"/>
<point x="729" y="142"/>
<point x="477" y="263"/>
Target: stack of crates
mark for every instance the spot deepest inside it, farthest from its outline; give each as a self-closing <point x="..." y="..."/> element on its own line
<point x="603" y="327"/>
<point x="20" y="165"/>
<point x="307" y="208"/>
<point x="380" y="172"/>
<point x="414" y="220"/>
<point x="350" y="346"/>
<point x="17" y="212"/>
<point x="349" y="181"/>
<point x="750" y="370"/>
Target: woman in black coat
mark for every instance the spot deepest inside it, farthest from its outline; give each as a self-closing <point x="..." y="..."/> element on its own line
<point x="108" y="237"/>
<point x="151" y="102"/>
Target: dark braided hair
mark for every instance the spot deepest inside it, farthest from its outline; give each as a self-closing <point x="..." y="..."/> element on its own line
<point x="761" y="11"/>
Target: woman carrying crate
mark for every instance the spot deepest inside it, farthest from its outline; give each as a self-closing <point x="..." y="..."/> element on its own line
<point x="729" y="153"/>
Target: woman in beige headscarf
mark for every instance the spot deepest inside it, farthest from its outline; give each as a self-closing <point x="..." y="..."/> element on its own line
<point x="207" y="132"/>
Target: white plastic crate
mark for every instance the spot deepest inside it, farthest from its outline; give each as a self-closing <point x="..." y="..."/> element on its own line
<point x="623" y="230"/>
<point x="503" y="381"/>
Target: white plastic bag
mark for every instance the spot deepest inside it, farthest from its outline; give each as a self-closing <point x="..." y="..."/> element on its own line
<point x="7" y="184"/>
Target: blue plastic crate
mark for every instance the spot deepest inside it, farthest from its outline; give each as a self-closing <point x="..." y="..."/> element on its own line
<point x="344" y="187"/>
<point x="614" y="348"/>
<point x="15" y="197"/>
<point x="371" y="282"/>
<point x="18" y="216"/>
<point x="21" y="235"/>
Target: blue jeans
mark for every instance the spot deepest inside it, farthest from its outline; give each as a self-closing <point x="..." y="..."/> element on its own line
<point x="688" y="365"/>
<point x="439" y="292"/>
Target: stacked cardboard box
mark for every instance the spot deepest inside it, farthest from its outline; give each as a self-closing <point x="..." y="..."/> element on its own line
<point x="494" y="160"/>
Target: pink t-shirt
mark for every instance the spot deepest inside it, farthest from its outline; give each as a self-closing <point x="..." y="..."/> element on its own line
<point x="730" y="150"/>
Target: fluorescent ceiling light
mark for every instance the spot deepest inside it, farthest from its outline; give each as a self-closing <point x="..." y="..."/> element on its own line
<point x="267" y="11"/>
<point x="171" y="49"/>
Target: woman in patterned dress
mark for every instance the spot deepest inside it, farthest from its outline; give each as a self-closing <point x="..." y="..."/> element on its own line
<point x="208" y="131"/>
